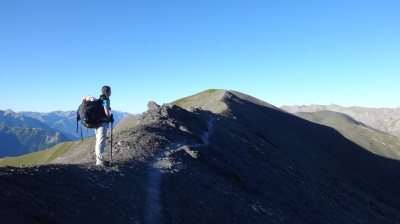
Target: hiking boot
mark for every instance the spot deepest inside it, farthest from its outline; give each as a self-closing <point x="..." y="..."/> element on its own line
<point x="104" y="164"/>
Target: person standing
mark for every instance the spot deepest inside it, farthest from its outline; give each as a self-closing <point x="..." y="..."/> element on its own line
<point x="101" y="130"/>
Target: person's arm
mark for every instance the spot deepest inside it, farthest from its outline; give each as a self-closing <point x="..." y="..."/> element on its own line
<point x="107" y="111"/>
<point x="106" y="105"/>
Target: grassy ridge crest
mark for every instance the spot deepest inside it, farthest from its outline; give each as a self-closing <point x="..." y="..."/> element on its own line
<point x="208" y="99"/>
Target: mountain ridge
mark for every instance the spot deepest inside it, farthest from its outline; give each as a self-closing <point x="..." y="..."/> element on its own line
<point x="185" y="162"/>
<point x="65" y="121"/>
<point x="384" y="119"/>
<point x="20" y="134"/>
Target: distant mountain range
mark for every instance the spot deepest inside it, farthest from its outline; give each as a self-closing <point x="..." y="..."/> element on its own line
<point x="65" y="121"/>
<point x="26" y="132"/>
<point x="21" y="135"/>
<point x="383" y="119"/>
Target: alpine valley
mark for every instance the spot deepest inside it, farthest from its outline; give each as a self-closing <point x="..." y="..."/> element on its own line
<point x="214" y="157"/>
<point x="26" y="132"/>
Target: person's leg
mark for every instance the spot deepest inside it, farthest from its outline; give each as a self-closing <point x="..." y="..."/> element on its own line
<point x="101" y="136"/>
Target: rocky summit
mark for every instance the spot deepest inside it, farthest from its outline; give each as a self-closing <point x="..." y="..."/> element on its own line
<point x="216" y="157"/>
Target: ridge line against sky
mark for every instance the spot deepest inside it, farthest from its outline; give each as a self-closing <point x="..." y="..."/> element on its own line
<point x="53" y="53"/>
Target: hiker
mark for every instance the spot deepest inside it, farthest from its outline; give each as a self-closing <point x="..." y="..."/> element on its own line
<point x="101" y="130"/>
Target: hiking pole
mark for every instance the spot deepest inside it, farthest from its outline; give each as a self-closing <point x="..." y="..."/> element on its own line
<point x="111" y="140"/>
<point x="112" y="122"/>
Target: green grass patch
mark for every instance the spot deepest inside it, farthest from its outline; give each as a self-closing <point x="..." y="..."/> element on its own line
<point x="201" y="95"/>
<point x="40" y="157"/>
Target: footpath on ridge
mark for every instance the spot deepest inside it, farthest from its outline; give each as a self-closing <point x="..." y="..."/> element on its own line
<point x="162" y="163"/>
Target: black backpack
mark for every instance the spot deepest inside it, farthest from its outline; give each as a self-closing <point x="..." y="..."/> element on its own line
<point x="90" y="113"/>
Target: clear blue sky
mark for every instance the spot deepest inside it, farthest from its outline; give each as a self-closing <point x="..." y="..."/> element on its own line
<point x="52" y="53"/>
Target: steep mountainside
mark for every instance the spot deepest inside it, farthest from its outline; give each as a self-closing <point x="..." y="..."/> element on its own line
<point x="17" y="141"/>
<point x="377" y="142"/>
<point x="64" y="121"/>
<point x="21" y="135"/>
<point x="230" y="159"/>
<point x="384" y="119"/>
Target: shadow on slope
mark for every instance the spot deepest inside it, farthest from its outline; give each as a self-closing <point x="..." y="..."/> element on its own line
<point x="71" y="194"/>
<point x="322" y="146"/>
<point x="373" y="140"/>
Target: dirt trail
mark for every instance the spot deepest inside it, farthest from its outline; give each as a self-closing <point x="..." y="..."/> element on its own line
<point x="162" y="163"/>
